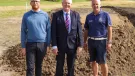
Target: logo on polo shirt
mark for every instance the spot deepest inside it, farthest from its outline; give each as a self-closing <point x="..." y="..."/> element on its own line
<point x="100" y="19"/>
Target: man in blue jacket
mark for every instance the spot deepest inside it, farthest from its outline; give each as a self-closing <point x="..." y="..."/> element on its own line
<point x="35" y="37"/>
<point x="98" y="30"/>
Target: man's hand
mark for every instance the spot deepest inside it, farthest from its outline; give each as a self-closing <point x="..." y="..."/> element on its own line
<point x="55" y="51"/>
<point x="108" y="47"/>
<point x="47" y="50"/>
<point x="85" y="46"/>
<point x="79" y="49"/>
<point x="23" y="51"/>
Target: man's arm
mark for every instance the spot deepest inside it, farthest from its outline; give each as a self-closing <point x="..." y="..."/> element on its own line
<point x="109" y="28"/>
<point x="53" y="35"/>
<point x="109" y="42"/>
<point x="23" y="36"/>
<point x="79" y="31"/>
<point x="53" y="30"/>
<point x="80" y="35"/>
<point x="109" y="34"/>
<point x="85" y="35"/>
<point x="85" y="39"/>
<point x="23" y="32"/>
<point x="48" y="31"/>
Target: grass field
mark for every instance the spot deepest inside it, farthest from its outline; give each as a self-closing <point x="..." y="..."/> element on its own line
<point x="11" y="8"/>
<point x="23" y="2"/>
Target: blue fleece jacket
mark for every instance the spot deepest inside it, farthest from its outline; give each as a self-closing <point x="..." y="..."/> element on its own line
<point x="35" y="28"/>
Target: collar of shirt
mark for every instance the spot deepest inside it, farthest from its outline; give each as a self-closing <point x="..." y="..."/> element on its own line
<point x="36" y="11"/>
<point x="66" y="12"/>
<point x="98" y="13"/>
<point x="64" y="15"/>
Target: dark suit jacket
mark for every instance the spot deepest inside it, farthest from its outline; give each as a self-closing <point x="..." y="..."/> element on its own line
<point x="60" y="36"/>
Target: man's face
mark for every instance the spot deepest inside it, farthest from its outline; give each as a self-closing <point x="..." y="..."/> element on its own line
<point x="35" y="4"/>
<point x="96" y="5"/>
<point x="66" y="5"/>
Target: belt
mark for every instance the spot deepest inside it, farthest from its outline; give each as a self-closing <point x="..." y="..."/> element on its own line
<point x="93" y="38"/>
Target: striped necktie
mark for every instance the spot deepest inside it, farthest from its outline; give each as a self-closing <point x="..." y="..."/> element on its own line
<point x="67" y="21"/>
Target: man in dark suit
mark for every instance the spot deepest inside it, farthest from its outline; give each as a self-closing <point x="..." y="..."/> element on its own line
<point x="67" y="37"/>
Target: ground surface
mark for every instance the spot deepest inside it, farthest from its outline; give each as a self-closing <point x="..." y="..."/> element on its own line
<point x="120" y="60"/>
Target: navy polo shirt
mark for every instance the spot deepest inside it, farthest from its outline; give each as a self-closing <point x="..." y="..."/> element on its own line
<point x="97" y="24"/>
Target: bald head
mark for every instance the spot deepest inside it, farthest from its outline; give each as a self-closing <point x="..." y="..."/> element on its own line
<point x="69" y="1"/>
<point x="66" y="5"/>
<point x="97" y="1"/>
<point x="96" y="4"/>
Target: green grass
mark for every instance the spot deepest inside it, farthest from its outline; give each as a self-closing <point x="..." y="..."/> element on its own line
<point x="11" y="13"/>
<point x="49" y="3"/>
<point x="12" y="8"/>
<point x="79" y="0"/>
<point x="12" y="2"/>
<point x="23" y="2"/>
<point x="15" y="13"/>
<point x="133" y="74"/>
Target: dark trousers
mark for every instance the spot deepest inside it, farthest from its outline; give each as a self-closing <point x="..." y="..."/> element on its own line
<point x="35" y="52"/>
<point x="60" y="58"/>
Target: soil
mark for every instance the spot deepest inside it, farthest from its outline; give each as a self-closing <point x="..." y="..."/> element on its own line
<point x="120" y="59"/>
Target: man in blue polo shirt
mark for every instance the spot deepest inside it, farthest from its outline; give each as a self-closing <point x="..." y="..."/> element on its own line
<point x="98" y="30"/>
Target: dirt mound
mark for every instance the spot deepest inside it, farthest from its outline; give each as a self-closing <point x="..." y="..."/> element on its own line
<point x="125" y="11"/>
<point x="120" y="60"/>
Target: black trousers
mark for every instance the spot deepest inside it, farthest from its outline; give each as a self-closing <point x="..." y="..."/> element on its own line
<point x="35" y="52"/>
<point x="60" y="58"/>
